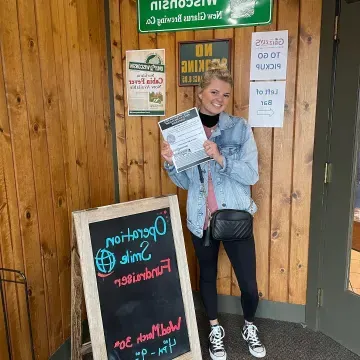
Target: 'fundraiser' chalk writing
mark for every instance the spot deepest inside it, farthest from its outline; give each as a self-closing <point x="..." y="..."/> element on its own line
<point x="145" y="275"/>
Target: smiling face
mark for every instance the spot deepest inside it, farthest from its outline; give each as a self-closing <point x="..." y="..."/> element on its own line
<point x="215" y="97"/>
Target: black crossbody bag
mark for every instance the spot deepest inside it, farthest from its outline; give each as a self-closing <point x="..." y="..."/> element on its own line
<point x="227" y="224"/>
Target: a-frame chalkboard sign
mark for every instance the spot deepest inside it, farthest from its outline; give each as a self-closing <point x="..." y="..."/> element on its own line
<point x="136" y="282"/>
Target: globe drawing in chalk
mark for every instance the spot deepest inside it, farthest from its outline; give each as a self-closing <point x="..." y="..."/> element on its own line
<point x="105" y="261"/>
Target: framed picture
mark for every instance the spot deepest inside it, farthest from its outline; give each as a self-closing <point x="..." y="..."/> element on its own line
<point x="195" y="56"/>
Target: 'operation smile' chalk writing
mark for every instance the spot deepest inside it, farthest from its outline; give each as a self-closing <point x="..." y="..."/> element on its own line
<point x="145" y="275"/>
<point x="159" y="228"/>
<point x="157" y="330"/>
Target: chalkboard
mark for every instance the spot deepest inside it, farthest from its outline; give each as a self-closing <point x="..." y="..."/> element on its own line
<point x="136" y="281"/>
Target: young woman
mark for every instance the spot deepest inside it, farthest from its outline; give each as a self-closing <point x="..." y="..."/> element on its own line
<point x="227" y="179"/>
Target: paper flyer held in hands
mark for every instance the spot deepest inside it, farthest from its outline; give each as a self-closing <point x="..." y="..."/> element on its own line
<point x="186" y="136"/>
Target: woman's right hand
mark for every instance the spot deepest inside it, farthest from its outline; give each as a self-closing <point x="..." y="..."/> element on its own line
<point x="166" y="152"/>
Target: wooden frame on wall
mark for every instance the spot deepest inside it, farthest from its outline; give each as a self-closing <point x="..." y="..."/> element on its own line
<point x="81" y="222"/>
<point x="195" y="54"/>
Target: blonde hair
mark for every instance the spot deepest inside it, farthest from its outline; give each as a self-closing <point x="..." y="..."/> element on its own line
<point x="216" y="70"/>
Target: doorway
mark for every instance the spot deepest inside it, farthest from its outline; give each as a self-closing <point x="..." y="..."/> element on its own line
<point x="333" y="305"/>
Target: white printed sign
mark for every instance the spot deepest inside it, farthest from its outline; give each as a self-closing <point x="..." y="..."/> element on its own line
<point x="145" y="82"/>
<point x="269" y="52"/>
<point x="267" y="101"/>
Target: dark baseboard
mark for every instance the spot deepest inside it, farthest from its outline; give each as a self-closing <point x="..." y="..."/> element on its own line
<point x="226" y="304"/>
<point x="266" y="309"/>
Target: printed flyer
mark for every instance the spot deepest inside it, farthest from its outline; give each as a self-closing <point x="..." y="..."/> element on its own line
<point x="145" y="79"/>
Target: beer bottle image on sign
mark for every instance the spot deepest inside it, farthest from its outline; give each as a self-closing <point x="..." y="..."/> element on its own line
<point x="242" y="8"/>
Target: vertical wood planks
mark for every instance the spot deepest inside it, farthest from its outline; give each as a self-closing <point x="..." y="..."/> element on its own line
<point x="51" y="105"/>
<point x="288" y="13"/>
<point x="27" y="207"/>
<point x="108" y="186"/>
<point x="167" y="41"/>
<point x="44" y="153"/>
<point x="151" y="136"/>
<point x="97" y="69"/>
<point x="262" y="194"/>
<point x="119" y="101"/>
<point x="134" y="143"/>
<point x="34" y="86"/>
<point x="58" y="242"/>
<point x="306" y="91"/>
<point x="11" y="245"/>
<point x="91" y="100"/>
<point x="77" y="102"/>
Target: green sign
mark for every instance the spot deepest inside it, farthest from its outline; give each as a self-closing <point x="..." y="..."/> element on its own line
<point x="174" y="15"/>
<point x="195" y="56"/>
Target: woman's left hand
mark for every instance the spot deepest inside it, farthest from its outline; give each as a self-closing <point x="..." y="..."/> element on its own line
<point x="212" y="150"/>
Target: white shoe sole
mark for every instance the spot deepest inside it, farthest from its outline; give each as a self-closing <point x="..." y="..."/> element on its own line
<point x="213" y="357"/>
<point x="253" y="353"/>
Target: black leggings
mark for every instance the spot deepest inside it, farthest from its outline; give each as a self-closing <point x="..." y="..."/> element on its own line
<point x="243" y="260"/>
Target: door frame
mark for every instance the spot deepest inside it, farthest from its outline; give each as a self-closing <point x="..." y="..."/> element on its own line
<point x="321" y="153"/>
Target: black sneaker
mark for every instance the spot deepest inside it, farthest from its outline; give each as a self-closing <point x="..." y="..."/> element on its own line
<point x="250" y="335"/>
<point x="216" y="345"/>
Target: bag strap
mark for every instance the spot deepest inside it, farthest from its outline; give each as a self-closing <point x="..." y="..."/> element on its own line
<point x="201" y="175"/>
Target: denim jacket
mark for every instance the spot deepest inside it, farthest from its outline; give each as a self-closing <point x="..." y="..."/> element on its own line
<point x="236" y="143"/>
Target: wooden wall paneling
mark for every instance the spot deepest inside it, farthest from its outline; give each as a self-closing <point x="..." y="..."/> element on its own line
<point x="288" y="17"/>
<point x="91" y="100"/>
<point x="262" y="193"/>
<point x="151" y="134"/>
<point x="306" y="92"/>
<point x="65" y="106"/>
<point x="96" y="38"/>
<point x="68" y="199"/>
<point x="77" y="103"/>
<point x="241" y="76"/>
<point x="40" y="152"/>
<point x="204" y="34"/>
<point x="57" y="168"/>
<point x="185" y="100"/>
<point x="11" y="244"/>
<point x="167" y="41"/>
<point x="241" y="70"/>
<point x="6" y="254"/>
<point x="134" y="143"/>
<point x="18" y="117"/>
<point x="108" y="187"/>
<point x="119" y="101"/>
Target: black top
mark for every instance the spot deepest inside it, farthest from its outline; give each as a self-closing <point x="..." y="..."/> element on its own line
<point x="209" y="120"/>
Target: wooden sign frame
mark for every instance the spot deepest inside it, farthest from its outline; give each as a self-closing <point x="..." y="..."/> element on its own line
<point x="84" y="259"/>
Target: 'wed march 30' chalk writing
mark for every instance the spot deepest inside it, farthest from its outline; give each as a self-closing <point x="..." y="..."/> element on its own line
<point x="157" y="330"/>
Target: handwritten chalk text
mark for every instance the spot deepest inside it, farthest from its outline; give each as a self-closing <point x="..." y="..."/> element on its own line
<point x="145" y="275"/>
<point x="159" y="228"/>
